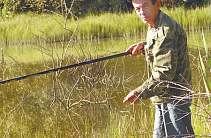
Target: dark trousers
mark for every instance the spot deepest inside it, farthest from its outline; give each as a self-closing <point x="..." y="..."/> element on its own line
<point x="173" y="120"/>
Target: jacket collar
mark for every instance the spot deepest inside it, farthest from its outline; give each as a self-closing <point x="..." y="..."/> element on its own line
<point x="158" y="20"/>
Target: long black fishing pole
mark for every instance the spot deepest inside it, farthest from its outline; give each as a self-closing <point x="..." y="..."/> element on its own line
<point x="66" y="67"/>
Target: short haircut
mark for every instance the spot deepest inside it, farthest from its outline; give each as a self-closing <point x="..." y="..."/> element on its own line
<point x="153" y="1"/>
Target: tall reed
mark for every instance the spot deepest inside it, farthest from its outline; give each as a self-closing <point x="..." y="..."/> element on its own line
<point x="192" y="19"/>
<point x="206" y="68"/>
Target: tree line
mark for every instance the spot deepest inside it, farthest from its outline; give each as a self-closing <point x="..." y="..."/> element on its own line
<point x="82" y="7"/>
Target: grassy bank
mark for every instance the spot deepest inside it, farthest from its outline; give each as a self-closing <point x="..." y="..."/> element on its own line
<point x="32" y="26"/>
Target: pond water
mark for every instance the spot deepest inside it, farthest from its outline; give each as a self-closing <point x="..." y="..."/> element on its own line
<point x="84" y="101"/>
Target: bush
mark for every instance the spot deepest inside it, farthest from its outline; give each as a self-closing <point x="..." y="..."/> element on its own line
<point x="76" y="6"/>
<point x="186" y="3"/>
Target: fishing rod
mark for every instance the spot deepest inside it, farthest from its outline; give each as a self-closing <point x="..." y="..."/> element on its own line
<point x="66" y="67"/>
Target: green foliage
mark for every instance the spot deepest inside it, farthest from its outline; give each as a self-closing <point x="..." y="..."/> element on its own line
<point x="31" y="5"/>
<point x="82" y="7"/>
<point x="195" y="3"/>
<point x="4" y="11"/>
<point x="185" y="3"/>
<point x="78" y="7"/>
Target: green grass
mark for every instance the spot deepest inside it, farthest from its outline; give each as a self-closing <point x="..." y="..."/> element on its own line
<point x="35" y="27"/>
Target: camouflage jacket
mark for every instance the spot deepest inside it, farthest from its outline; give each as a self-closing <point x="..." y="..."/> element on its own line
<point x="167" y="60"/>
